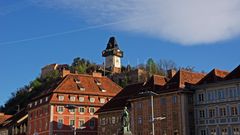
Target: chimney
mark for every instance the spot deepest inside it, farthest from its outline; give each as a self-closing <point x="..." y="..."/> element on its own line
<point x="1" y="114"/>
<point x="171" y="73"/>
<point x="96" y="74"/>
<point x="65" y="72"/>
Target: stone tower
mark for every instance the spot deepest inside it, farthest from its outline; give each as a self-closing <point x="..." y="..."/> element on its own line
<point x="112" y="56"/>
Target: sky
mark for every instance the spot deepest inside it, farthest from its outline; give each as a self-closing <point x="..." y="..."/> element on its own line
<point x="34" y="33"/>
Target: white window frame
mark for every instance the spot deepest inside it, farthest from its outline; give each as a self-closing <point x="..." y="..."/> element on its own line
<point x="79" y="123"/>
<point x="92" y="99"/>
<point x="102" y="100"/>
<point x="72" y="98"/>
<point x="70" y="122"/>
<point x="90" y="110"/>
<point x="60" y="111"/>
<point x="81" y="99"/>
<point x="79" y="109"/>
<point x="60" y="98"/>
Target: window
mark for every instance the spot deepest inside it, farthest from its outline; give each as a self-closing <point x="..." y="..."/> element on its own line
<point x="232" y="92"/>
<point x="97" y="82"/>
<point x="222" y="111"/>
<point x="103" y="121"/>
<point x="234" y="110"/>
<point x="46" y="99"/>
<point x="60" y="98"/>
<point x="92" y="123"/>
<point x="46" y="123"/>
<point x="81" y="99"/>
<point x="221" y="94"/>
<point x="71" y="122"/>
<point x="35" y="103"/>
<point x="81" y="123"/>
<point x="80" y="87"/>
<point x="203" y="132"/>
<point x="60" y="109"/>
<point x="77" y="80"/>
<point x="211" y="95"/>
<point x="236" y="131"/>
<point x="72" y="110"/>
<point x="72" y="98"/>
<point x="40" y="101"/>
<point x="60" y="123"/>
<point x="211" y="112"/>
<point x="201" y="113"/>
<point x="30" y="105"/>
<point x="163" y="101"/>
<point x="46" y="110"/>
<point x="139" y="105"/>
<point x="174" y="99"/>
<point x="139" y="120"/>
<point x="92" y="100"/>
<point x="213" y="132"/>
<point x="113" y="120"/>
<point x="102" y="100"/>
<point x="224" y="131"/>
<point x="81" y="110"/>
<point x="101" y="88"/>
<point x="201" y="97"/>
<point x="91" y="110"/>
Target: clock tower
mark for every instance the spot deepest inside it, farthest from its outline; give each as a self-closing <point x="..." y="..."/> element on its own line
<point x="112" y="56"/>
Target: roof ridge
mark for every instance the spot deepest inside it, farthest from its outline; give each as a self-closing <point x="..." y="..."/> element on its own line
<point x="184" y="70"/>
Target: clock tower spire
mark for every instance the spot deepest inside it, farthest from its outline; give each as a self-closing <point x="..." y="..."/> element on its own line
<point x="113" y="56"/>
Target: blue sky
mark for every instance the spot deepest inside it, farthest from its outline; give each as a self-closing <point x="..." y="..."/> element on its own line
<point x="37" y="33"/>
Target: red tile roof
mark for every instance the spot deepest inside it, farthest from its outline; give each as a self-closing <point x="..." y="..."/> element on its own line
<point x="3" y="117"/>
<point x="156" y="83"/>
<point x="214" y="76"/>
<point x="72" y="83"/>
<point x="181" y="78"/>
<point x="89" y="83"/>
<point x="121" y="99"/>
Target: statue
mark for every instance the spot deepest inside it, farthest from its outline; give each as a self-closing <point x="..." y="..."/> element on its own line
<point x="125" y="127"/>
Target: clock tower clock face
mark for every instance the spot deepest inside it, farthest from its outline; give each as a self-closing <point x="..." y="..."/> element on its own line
<point x="117" y="62"/>
<point x="113" y="61"/>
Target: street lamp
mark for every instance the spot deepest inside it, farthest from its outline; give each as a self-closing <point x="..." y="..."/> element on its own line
<point x="151" y="93"/>
<point x="73" y="107"/>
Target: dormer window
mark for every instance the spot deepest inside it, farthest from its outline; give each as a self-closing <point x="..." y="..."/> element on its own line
<point x="77" y="80"/>
<point x="80" y="87"/>
<point x="102" y="89"/>
<point x="40" y="101"/>
<point x="30" y="105"/>
<point x="102" y="100"/>
<point x="61" y="98"/>
<point x="72" y="98"/>
<point x="35" y="103"/>
<point x="81" y="99"/>
<point x="92" y="100"/>
<point x="97" y="82"/>
<point x="46" y="99"/>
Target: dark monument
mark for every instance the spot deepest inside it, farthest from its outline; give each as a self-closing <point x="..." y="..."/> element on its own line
<point x="125" y="123"/>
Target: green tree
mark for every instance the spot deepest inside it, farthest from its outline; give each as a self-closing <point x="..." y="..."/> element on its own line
<point x="151" y="66"/>
<point x="80" y="65"/>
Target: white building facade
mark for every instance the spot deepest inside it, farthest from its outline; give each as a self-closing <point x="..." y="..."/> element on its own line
<point x="217" y="108"/>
